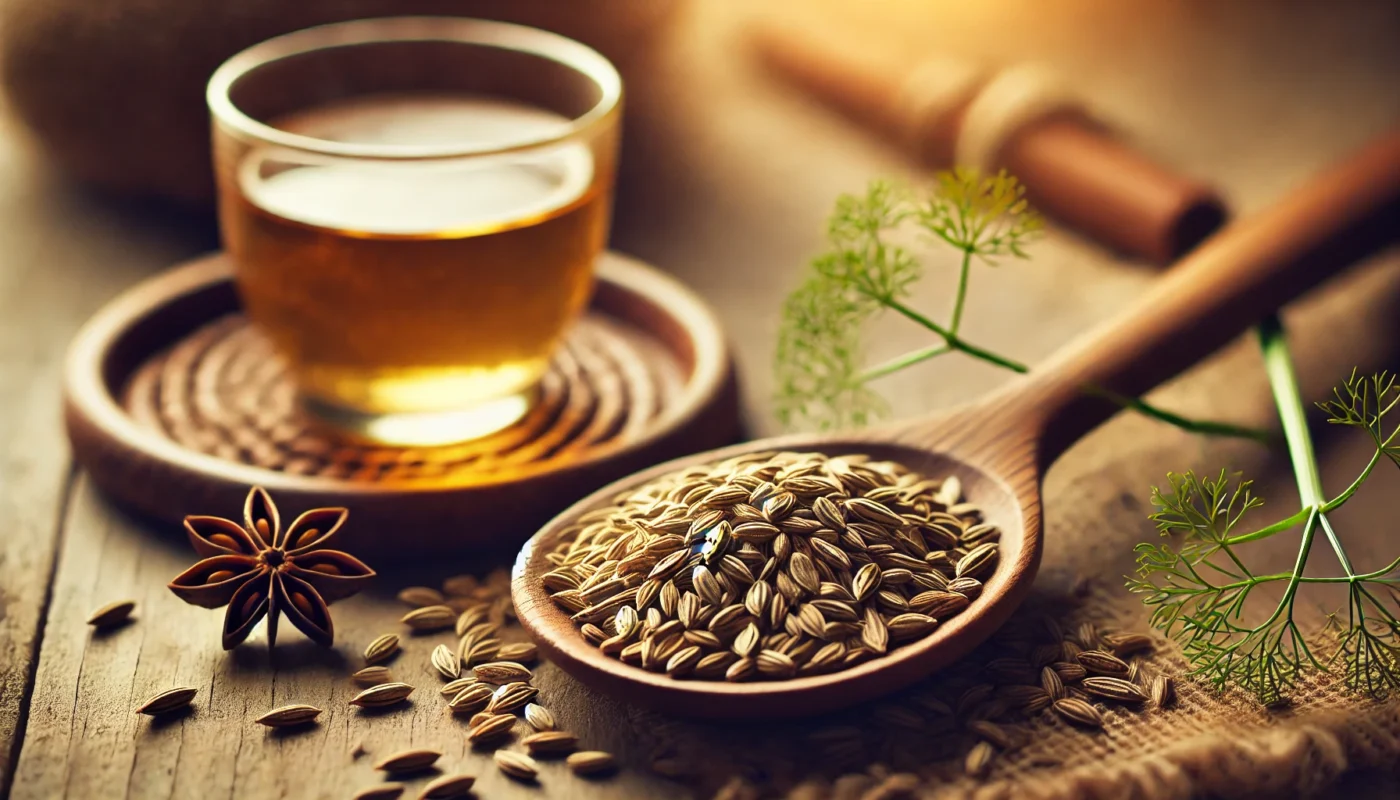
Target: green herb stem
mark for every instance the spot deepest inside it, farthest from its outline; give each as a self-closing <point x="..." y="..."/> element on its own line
<point x="952" y="343"/>
<point x="1278" y="364"/>
<point x="1283" y="379"/>
<point x="949" y="340"/>
<point x="1380" y="573"/>
<point x="1288" y="576"/>
<point x="909" y="313"/>
<point x="1277" y="527"/>
<point x="1340" y="499"/>
<point x="906" y="360"/>
<point x="988" y="356"/>
<point x="961" y="297"/>
<point x="1203" y="426"/>
<point x="1296" y="577"/>
<point x="1336" y="544"/>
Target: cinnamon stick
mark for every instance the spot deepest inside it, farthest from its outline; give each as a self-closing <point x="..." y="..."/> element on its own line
<point x="945" y="112"/>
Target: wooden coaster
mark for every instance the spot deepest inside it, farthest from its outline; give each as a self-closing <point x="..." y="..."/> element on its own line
<point x="176" y="405"/>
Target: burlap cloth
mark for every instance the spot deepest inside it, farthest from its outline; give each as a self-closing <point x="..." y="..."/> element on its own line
<point x="1208" y="743"/>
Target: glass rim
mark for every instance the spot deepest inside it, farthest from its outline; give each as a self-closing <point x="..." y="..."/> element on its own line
<point x="460" y="30"/>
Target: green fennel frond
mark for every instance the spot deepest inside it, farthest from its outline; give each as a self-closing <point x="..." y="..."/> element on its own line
<point x="820" y="346"/>
<point x="1364" y="403"/>
<point x="1368" y="644"/>
<point x="1200" y="589"/>
<point x="822" y="378"/>
<point x="820" y="354"/>
<point x="987" y="216"/>
<point x="860" y="258"/>
<point x="819" y="362"/>
<point x="1204" y="508"/>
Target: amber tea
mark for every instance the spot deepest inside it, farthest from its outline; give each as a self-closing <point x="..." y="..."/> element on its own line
<point x="417" y="300"/>
<point x="415" y="290"/>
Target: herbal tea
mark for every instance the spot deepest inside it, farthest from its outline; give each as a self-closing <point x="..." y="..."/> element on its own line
<point x="408" y="287"/>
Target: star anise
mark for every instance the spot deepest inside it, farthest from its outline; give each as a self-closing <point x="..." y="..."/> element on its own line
<point x="258" y="570"/>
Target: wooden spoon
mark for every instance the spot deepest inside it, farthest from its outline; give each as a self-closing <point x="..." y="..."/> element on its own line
<point x="1000" y="447"/>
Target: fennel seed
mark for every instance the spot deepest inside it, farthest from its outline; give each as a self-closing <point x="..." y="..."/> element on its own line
<point x="471" y="699"/>
<point x="452" y="688"/>
<point x="492" y="728"/>
<point x="168" y="701"/>
<point x="382" y="791"/>
<point x="448" y="786"/>
<point x="1078" y="712"/>
<point x="519" y="652"/>
<point x="382" y="696"/>
<point x="591" y="762"/>
<point x="1116" y="689"/>
<point x="539" y="717"/>
<point x="1100" y="663"/>
<point x="516" y="765"/>
<point x="1163" y="692"/>
<point x="420" y="596"/>
<point x="979" y="760"/>
<point x="430" y="618"/>
<point x="372" y="676"/>
<point x="408" y="761"/>
<point x="445" y="661"/>
<point x="546" y="743"/>
<point x="382" y="648"/>
<point x="289" y="716"/>
<point x="501" y="672"/>
<point x="112" y="614"/>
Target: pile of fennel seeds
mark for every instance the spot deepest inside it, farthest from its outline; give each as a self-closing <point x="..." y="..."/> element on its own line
<point x="772" y="565"/>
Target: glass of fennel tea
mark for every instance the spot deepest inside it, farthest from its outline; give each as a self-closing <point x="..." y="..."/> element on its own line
<point x="414" y="206"/>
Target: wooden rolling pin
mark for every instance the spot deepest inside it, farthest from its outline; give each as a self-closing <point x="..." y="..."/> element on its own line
<point x="1019" y="118"/>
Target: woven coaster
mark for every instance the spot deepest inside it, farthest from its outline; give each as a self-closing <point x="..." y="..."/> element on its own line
<point x="175" y="404"/>
<point x="222" y="391"/>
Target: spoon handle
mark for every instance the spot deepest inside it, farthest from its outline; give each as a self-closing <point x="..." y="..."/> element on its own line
<point x="1247" y="271"/>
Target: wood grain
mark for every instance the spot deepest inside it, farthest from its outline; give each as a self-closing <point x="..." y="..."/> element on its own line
<point x="741" y="178"/>
<point x="51" y="278"/>
<point x="85" y="739"/>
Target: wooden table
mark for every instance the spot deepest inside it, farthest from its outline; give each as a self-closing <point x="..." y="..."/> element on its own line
<point x="739" y="176"/>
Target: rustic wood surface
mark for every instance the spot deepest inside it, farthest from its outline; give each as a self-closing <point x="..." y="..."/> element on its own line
<point x="739" y="178"/>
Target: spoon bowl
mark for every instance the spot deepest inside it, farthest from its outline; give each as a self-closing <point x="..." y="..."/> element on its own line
<point x="1000" y="447"/>
<point x="1014" y="509"/>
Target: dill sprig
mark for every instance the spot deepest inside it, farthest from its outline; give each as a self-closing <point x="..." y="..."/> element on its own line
<point x="1200" y="591"/>
<point x="820" y="365"/>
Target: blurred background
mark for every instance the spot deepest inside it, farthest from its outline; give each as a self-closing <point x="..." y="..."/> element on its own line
<point x="728" y="169"/>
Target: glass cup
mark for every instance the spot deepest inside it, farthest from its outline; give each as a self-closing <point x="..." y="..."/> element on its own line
<point x="414" y="206"/>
